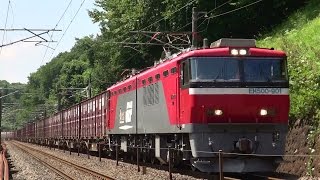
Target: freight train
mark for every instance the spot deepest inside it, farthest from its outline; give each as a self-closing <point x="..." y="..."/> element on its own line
<point x="231" y="96"/>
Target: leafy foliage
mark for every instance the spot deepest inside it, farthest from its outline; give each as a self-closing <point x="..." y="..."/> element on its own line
<point x="11" y="104"/>
<point x="299" y="38"/>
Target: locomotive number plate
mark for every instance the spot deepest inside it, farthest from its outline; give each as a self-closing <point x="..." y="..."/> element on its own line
<point x="264" y="90"/>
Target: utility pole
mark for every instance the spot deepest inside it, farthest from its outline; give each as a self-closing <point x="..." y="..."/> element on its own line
<point x="89" y="87"/>
<point x="195" y="17"/>
<point x="194" y="27"/>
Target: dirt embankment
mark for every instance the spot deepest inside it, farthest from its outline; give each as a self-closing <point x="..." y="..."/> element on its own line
<point x="297" y="144"/>
<point x="316" y="162"/>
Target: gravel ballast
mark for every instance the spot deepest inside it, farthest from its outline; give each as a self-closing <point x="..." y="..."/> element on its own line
<point x="28" y="168"/>
<point x="25" y="167"/>
<point x="107" y="166"/>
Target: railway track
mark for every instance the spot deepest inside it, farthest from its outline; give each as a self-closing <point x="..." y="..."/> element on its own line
<point x="31" y="151"/>
<point x="260" y="176"/>
<point x="184" y="171"/>
<point x="270" y="177"/>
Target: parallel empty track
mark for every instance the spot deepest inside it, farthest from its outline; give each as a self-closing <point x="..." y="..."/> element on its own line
<point x="30" y="151"/>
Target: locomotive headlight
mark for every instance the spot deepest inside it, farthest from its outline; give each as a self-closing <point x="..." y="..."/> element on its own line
<point x="243" y="52"/>
<point x="218" y="112"/>
<point x="263" y="112"/>
<point x="234" y="52"/>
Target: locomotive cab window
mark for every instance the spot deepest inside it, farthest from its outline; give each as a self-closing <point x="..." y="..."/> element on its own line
<point x="184" y="73"/>
<point x="215" y="69"/>
<point x="265" y="70"/>
<point x="247" y="71"/>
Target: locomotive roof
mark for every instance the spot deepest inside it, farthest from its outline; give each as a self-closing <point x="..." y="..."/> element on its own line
<point x="228" y="42"/>
<point x="218" y="51"/>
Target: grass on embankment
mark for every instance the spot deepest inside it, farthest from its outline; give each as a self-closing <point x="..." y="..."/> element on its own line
<point x="299" y="37"/>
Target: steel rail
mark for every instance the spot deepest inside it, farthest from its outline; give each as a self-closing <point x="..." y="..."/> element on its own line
<point x="101" y="176"/>
<point x="6" y="170"/>
<point x="1" y="166"/>
<point x="259" y="176"/>
<point x="56" y="170"/>
<point x="80" y="168"/>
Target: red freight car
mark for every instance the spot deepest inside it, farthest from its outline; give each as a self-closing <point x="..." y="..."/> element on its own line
<point x="48" y="128"/>
<point x="39" y="131"/>
<point x="100" y="116"/>
<point x="8" y="135"/>
<point x="74" y="122"/>
<point x="30" y="131"/>
<point x="18" y="134"/>
<point x="56" y="127"/>
<point x="24" y="134"/>
<point x="71" y="123"/>
<point x="93" y="117"/>
<point x="66" y="119"/>
<point x="84" y="120"/>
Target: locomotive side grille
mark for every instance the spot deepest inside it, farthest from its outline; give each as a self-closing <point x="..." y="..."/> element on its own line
<point x="156" y="93"/>
<point x="148" y="95"/>
<point x="144" y="96"/>
<point x="151" y="94"/>
<point x="149" y="101"/>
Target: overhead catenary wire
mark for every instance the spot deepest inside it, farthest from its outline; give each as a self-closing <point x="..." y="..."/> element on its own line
<point x="204" y="14"/>
<point x="228" y="12"/>
<point x="163" y="18"/>
<point x="12" y="12"/>
<point x="189" y="3"/>
<point x="186" y="5"/>
<point x="67" y="27"/>
<point x="221" y="5"/>
<point x="234" y="10"/>
<point x="158" y="20"/>
<point x="5" y="26"/>
<point x="63" y="14"/>
<point x="186" y="24"/>
<point x="222" y="14"/>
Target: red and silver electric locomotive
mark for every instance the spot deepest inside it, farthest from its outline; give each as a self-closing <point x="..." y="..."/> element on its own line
<point x="232" y="97"/>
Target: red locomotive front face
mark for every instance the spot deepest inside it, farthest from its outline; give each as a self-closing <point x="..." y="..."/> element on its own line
<point x="236" y="89"/>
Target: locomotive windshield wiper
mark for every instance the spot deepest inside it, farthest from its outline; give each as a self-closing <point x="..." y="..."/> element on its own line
<point x="215" y="79"/>
<point x="269" y="79"/>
